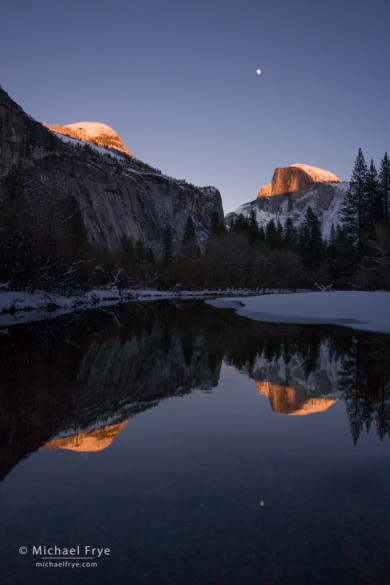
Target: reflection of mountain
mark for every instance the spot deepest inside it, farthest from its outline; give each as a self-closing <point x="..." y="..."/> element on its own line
<point x="94" y="440"/>
<point x="80" y="377"/>
<point x="291" y="388"/>
<point x="287" y="400"/>
<point x="100" y="374"/>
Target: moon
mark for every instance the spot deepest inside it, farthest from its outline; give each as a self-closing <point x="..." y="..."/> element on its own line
<point x="258" y="71"/>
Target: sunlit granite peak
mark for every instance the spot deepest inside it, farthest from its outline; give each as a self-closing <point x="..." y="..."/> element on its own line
<point x="95" y="440"/>
<point x="296" y="178"/>
<point x="284" y="399"/>
<point x="95" y="132"/>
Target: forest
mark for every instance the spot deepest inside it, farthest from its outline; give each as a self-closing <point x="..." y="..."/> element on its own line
<point x="43" y="245"/>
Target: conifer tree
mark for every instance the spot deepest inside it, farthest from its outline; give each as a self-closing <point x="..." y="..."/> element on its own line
<point x="149" y="258"/>
<point x="167" y="242"/>
<point x="253" y="229"/>
<point x="384" y="185"/>
<point x="311" y="245"/>
<point x="290" y="239"/>
<point x="355" y="211"/>
<point x="271" y="234"/>
<point x="189" y="245"/>
<point x="261" y="234"/>
<point x="126" y="250"/>
<point x="279" y="234"/>
<point x="139" y="250"/>
<point x="373" y="195"/>
<point x="189" y="234"/>
<point x="217" y="226"/>
<point x="241" y="224"/>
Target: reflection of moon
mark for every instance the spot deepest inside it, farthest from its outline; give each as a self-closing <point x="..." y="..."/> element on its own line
<point x="258" y="71"/>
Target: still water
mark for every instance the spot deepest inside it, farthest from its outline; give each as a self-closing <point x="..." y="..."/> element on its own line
<point x="192" y="446"/>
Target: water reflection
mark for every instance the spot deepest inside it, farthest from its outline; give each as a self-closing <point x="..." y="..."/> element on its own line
<point x="95" y="440"/>
<point x="74" y="382"/>
<point x="284" y="399"/>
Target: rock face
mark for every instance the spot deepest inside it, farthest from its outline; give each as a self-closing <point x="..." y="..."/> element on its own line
<point x="118" y="195"/>
<point x="293" y="401"/>
<point x="94" y="132"/>
<point x="292" y="190"/>
<point x="291" y="390"/>
<point x="297" y="180"/>
<point x="91" y="441"/>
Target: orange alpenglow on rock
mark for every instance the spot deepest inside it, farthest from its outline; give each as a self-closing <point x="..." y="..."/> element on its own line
<point x="94" y="132"/>
<point x="284" y="399"/>
<point x="95" y="440"/>
<point x="296" y="179"/>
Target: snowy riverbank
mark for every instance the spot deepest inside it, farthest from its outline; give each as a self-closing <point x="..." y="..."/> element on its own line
<point x="369" y="311"/>
<point x="20" y="307"/>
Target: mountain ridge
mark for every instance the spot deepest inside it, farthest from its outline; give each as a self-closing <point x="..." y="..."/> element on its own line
<point x="93" y="132"/>
<point x="289" y="194"/>
<point x="118" y="195"/>
<point x="296" y="178"/>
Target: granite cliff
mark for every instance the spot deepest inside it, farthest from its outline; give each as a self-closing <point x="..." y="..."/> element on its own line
<point x="118" y="195"/>
<point x="292" y="190"/>
<point x="94" y="132"/>
<point x="296" y="179"/>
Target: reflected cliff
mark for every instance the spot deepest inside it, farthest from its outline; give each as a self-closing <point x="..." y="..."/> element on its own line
<point x="74" y="382"/>
<point x="89" y="441"/>
<point x="284" y="399"/>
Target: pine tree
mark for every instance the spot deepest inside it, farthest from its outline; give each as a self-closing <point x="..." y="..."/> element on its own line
<point x="76" y="232"/>
<point x="384" y="185"/>
<point x="279" y="234"/>
<point x="189" y="245"/>
<point x="139" y="250"/>
<point x="331" y="252"/>
<point x="261" y="234"/>
<point x="271" y="234"/>
<point x="167" y="242"/>
<point x="373" y="195"/>
<point x="355" y="211"/>
<point x="241" y="224"/>
<point x="311" y="245"/>
<point x="189" y="234"/>
<point x="149" y="258"/>
<point x="126" y="251"/>
<point x="253" y="229"/>
<point x="217" y="226"/>
<point x="290" y="239"/>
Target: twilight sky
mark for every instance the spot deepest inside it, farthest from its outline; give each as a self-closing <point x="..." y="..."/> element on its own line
<point x="177" y="81"/>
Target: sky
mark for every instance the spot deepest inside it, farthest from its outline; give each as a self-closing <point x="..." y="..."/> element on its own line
<point x="177" y="81"/>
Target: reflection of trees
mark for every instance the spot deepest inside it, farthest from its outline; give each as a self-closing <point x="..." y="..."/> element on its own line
<point x="79" y="371"/>
<point x="365" y="380"/>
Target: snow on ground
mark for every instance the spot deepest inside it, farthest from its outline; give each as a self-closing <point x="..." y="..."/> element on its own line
<point x="20" y="307"/>
<point x="369" y="311"/>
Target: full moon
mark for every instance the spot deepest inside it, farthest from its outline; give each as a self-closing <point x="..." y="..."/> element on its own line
<point x="258" y="71"/>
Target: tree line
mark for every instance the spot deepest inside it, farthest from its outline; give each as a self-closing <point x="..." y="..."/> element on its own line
<point x="355" y="255"/>
<point x="43" y="245"/>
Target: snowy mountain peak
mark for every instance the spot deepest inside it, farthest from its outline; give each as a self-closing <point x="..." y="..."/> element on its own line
<point x="94" y="132"/>
<point x="296" y="178"/>
<point x="93" y="129"/>
<point x="317" y="174"/>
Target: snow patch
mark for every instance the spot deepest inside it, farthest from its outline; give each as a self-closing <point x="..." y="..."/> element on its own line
<point x="317" y="174"/>
<point x="327" y="217"/>
<point x="93" y="129"/>
<point x="368" y="311"/>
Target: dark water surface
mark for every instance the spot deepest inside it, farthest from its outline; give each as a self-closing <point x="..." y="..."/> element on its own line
<point x="198" y="446"/>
